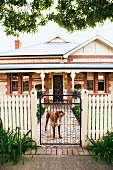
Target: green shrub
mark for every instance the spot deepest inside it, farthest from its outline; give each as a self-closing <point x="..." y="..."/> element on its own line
<point x="75" y="93"/>
<point x="13" y="146"/>
<point x="40" y="111"/>
<point x="102" y="149"/>
<point x="76" y="111"/>
<point x="38" y="88"/>
<point x="39" y="94"/>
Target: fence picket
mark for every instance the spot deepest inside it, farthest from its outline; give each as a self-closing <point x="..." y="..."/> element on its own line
<point x="21" y="115"/>
<point x="112" y="111"/>
<point x="17" y="112"/>
<point x="101" y="116"/>
<point x="13" y="112"/>
<point x="29" y="115"/>
<point x="105" y="115"/>
<point x="89" y="118"/>
<point x="97" y="118"/>
<point x="109" y="112"/>
<point x="2" y="110"/>
<point x="93" y="118"/>
<point x="6" y="113"/>
<point x="25" y="115"/>
<point x="10" y="114"/>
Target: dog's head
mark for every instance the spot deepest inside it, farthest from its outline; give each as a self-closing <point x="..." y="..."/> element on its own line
<point x="59" y="113"/>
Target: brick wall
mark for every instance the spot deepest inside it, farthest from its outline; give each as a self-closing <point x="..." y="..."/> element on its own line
<point x="8" y="84"/>
<point x="30" y="82"/>
<point x="107" y="85"/>
<point x="19" y="83"/>
<point x="46" y="86"/>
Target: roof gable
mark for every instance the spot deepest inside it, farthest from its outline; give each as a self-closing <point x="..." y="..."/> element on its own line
<point x="95" y="46"/>
<point x="57" y="39"/>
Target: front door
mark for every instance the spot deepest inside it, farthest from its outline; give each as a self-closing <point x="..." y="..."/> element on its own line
<point x="57" y="88"/>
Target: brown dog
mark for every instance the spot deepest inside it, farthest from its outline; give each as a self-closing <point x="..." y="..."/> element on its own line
<point x="56" y="120"/>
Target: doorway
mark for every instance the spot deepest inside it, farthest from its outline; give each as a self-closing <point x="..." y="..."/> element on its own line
<point x="57" y="88"/>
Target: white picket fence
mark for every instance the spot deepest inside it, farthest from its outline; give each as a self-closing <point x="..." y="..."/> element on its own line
<point x="19" y="111"/>
<point x="97" y="115"/>
<point x="100" y="115"/>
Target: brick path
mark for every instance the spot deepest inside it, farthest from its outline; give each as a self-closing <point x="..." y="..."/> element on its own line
<point x="62" y="150"/>
<point x="70" y="129"/>
<point x="70" y="132"/>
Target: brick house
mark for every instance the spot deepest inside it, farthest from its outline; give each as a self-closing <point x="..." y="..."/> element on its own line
<point x="58" y="62"/>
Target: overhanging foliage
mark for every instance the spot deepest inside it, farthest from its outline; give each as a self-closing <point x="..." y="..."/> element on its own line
<point x="19" y="16"/>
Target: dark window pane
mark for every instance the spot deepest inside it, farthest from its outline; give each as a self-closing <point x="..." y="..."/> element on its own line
<point x="26" y="76"/>
<point x="15" y="76"/>
<point x="101" y="86"/>
<point x="90" y="85"/>
<point x="14" y="85"/>
<point x="26" y="86"/>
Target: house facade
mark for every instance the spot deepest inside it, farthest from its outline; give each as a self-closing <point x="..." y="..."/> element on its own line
<point x="58" y="65"/>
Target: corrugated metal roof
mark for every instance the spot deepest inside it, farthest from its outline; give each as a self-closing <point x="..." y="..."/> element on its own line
<point x="53" y="48"/>
<point x="55" y="66"/>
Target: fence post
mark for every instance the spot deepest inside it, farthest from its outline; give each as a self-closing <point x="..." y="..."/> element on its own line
<point x="33" y="116"/>
<point x="84" y="117"/>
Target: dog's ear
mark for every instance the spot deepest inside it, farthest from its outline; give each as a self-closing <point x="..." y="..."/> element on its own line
<point x="63" y="113"/>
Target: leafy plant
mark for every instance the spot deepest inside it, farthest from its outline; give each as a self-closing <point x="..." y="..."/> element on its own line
<point x="77" y="86"/>
<point x="40" y="111"/>
<point x="38" y="87"/>
<point x="76" y="111"/>
<point x="13" y="146"/>
<point x="102" y="149"/>
<point x="75" y="94"/>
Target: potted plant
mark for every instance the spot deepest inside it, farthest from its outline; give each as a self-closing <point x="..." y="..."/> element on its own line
<point x="38" y="88"/>
<point x="77" y="91"/>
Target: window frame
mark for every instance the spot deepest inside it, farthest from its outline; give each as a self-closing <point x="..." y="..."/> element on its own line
<point x="14" y="80"/>
<point x="20" y="82"/>
<point x="90" y="77"/>
<point x="100" y="80"/>
<point x="25" y="91"/>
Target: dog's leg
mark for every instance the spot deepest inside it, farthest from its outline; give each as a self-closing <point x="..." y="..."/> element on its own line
<point x="59" y="132"/>
<point x="47" y="118"/>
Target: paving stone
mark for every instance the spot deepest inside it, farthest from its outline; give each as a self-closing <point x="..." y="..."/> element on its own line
<point x="75" y="151"/>
<point x="86" y="152"/>
<point x="64" y="151"/>
<point x="59" y="151"/>
<point x="70" y="151"/>
<point x="53" y="151"/>
<point x="81" y="151"/>
<point x="48" y="151"/>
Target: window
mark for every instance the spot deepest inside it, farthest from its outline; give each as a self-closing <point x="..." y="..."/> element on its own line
<point x="90" y="81"/>
<point x="20" y="82"/>
<point x="100" y="81"/>
<point x="14" y="82"/>
<point x="25" y="82"/>
<point x="90" y="84"/>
